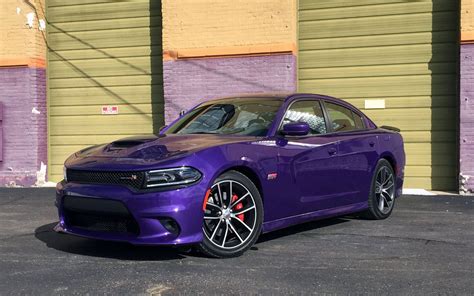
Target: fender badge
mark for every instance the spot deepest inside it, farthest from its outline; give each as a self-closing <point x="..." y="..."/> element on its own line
<point x="272" y="176"/>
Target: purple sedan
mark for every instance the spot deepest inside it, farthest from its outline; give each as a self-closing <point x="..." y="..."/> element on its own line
<point x="231" y="169"/>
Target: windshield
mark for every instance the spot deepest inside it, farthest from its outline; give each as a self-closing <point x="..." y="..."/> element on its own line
<point x="237" y="116"/>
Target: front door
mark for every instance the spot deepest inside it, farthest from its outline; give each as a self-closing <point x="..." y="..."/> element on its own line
<point x="310" y="161"/>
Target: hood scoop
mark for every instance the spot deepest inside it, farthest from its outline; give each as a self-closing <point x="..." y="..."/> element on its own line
<point x="139" y="148"/>
<point x="130" y="142"/>
<point x="122" y="144"/>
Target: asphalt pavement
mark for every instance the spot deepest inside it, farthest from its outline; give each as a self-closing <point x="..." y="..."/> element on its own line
<point x="425" y="247"/>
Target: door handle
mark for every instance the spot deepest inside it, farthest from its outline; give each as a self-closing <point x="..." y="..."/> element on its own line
<point x="332" y="151"/>
<point x="371" y="144"/>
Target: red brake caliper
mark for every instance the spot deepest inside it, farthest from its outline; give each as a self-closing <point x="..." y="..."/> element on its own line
<point x="237" y="207"/>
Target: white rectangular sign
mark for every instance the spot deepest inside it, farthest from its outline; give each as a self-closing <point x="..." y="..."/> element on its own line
<point x="110" y="110"/>
<point x="374" y="104"/>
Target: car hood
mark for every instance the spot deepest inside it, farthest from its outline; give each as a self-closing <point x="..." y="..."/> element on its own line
<point x="151" y="149"/>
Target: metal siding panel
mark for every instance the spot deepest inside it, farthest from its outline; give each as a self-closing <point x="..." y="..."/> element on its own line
<point x="101" y="39"/>
<point x="112" y="24"/>
<point x="403" y="52"/>
<point x="131" y="94"/>
<point x="367" y="4"/>
<point x="102" y="67"/>
<point x="373" y="56"/>
<point x="85" y="110"/>
<point x="103" y="124"/>
<point x="378" y="71"/>
<point x="393" y="24"/>
<point x="410" y="101"/>
<point x="376" y="87"/>
<point x="102" y="53"/>
<point x="104" y="81"/>
<point x="375" y="10"/>
<point x="119" y="52"/>
<point x="378" y="40"/>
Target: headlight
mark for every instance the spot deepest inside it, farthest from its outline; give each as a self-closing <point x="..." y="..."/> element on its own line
<point x="172" y="177"/>
<point x="65" y="173"/>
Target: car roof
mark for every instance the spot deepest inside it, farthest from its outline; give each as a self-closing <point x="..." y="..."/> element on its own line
<point x="269" y="96"/>
<point x="281" y="96"/>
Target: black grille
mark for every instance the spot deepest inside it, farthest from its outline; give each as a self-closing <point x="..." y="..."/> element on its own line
<point x="98" y="215"/>
<point x="130" y="179"/>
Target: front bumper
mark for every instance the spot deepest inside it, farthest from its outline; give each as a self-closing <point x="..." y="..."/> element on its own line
<point x="147" y="209"/>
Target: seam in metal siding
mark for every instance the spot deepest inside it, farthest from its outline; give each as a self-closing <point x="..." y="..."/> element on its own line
<point x="405" y="52"/>
<point x="102" y="53"/>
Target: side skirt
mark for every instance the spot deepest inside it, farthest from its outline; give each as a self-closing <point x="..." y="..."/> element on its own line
<point x="317" y="215"/>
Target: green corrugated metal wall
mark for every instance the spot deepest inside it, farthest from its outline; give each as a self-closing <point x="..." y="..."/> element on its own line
<point x="102" y="53"/>
<point x="402" y="51"/>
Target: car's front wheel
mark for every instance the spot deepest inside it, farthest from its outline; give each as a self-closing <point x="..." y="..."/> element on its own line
<point x="233" y="216"/>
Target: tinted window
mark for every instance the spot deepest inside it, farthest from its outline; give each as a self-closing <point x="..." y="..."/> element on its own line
<point x="343" y="119"/>
<point x="309" y="112"/>
<point x="359" y="123"/>
<point x="239" y="116"/>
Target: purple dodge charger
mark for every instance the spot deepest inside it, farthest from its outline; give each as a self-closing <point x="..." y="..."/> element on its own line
<point x="231" y="169"/>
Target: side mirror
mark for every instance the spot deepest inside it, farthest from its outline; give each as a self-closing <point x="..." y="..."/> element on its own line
<point x="296" y="129"/>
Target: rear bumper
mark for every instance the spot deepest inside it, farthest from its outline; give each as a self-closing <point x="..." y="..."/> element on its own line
<point x="184" y="206"/>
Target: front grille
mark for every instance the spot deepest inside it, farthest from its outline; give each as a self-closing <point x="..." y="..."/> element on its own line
<point x="100" y="223"/>
<point x="98" y="215"/>
<point x="130" y="179"/>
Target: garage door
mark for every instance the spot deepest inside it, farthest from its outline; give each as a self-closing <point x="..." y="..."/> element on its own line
<point x="402" y="52"/>
<point x="104" y="57"/>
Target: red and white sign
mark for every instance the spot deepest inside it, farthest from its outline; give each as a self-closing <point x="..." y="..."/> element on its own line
<point x="110" y="110"/>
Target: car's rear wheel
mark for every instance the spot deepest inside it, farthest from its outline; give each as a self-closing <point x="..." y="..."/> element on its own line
<point x="382" y="193"/>
<point x="233" y="216"/>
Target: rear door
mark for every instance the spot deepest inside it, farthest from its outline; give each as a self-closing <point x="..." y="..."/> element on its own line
<point x="357" y="151"/>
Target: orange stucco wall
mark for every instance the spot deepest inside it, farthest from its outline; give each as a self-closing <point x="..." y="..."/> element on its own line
<point x="203" y="28"/>
<point x="21" y="45"/>
<point x="467" y="21"/>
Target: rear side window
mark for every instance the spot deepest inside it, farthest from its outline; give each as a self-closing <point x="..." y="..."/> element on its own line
<point x="309" y="112"/>
<point x="343" y="119"/>
<point x="359" y="122"/>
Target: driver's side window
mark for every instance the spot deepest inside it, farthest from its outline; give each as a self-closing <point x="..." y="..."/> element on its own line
<point x="309" y="112"/>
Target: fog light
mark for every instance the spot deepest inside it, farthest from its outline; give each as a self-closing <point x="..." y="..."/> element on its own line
<point x="170" y="225"/>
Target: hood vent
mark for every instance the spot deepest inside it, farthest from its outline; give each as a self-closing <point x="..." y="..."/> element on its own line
<point x="125" y="144"/>
<point x="130" y="142"/>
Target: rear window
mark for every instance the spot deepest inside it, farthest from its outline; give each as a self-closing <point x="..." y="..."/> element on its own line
<point x="359" y="122"/>
<point x="343" y="119"/>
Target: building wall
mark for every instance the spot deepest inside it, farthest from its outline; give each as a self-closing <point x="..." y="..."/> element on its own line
<point x="467" y="21"/>
<point x="102" y="54"/>
<point x="220" y="48"/>
<point x="404" y="53"/>
<point x="22" y="93"/>
<point x="207" y="24"/>
<point x="466" y="125"/>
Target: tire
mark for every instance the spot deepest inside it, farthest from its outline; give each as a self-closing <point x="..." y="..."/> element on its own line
<point x="232" y="222"/>
<point x="381" y="198"/>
